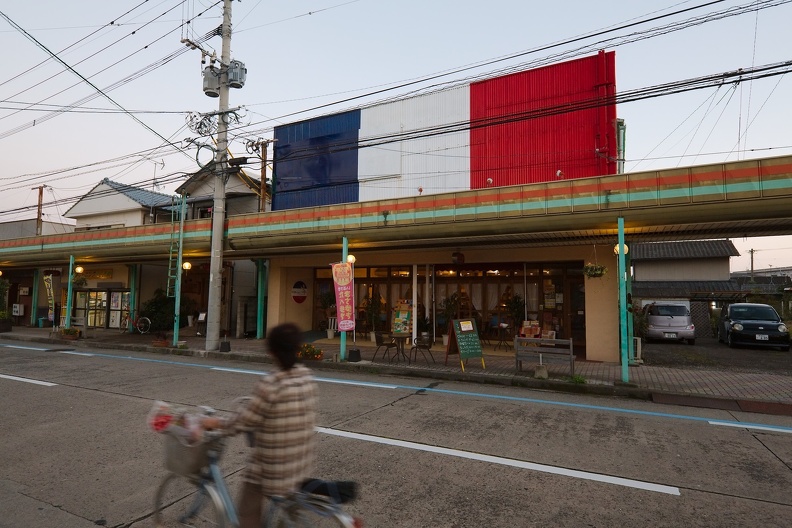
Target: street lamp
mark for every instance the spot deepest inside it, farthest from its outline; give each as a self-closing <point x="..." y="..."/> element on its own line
<point x="186" y="266"/>
<point x="78" y="269"/>
<point x="616" y="249"/>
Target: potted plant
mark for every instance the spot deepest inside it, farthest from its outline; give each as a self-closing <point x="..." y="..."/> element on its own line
<point x="69" y="334"/>
<point x="594" y="270"/>
<point x="449" y="307"/>
<point x="327" y="302"/>
<point x="161" y="340"/>
<point x="309" y="352"/>
<point x="515" y="307"/>
<point x="372" y="306"/>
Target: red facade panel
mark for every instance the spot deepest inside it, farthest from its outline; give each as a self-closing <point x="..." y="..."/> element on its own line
<point x="528" y="126"/>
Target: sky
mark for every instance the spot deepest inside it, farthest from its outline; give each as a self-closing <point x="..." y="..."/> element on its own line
<point x="94" y="89"/>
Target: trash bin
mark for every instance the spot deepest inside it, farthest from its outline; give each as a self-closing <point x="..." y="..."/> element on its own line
<point x="41" y="322"/>
<point x="354" y="355"/>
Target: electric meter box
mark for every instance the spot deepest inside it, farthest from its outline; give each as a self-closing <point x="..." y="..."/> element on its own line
<point x="18" y="309"/>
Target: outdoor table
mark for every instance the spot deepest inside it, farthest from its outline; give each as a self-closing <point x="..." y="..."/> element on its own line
<point x="401" y="339"/>
<point x="504" y="334"/>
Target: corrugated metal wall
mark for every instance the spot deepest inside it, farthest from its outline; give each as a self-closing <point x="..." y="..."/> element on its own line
<point x="511" y="130"/>
<point x="523" y="132"/>
<point x="425" y="155"/>
<point x="316" y="159"/>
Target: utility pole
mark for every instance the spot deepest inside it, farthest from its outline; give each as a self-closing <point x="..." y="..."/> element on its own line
<point x="39" y="222"/>
<point x="218" y="208"/>
<point x="260" y="147"/>
<point x="752" y="251"/>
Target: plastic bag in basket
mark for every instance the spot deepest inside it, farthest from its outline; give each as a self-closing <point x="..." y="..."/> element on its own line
<point x="160" y="417"/>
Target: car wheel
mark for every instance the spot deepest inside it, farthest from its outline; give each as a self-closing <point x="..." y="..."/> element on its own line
<point x="730" y="341"/>
<point x="691" y="341"/>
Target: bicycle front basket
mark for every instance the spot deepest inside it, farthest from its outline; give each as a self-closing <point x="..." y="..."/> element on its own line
<point x="184" y="458"/>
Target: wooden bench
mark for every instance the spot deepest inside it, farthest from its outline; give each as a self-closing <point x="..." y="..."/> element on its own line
<point x="547" y="350"/>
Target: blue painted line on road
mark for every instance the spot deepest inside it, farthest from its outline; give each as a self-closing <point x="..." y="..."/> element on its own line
<point x="521" y="399"/>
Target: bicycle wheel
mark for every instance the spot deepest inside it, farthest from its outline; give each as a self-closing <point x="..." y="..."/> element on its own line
<point x="315" y="516"/>
<point x="143" y="324"/>
<point x="181" y="502"/>
<point x="124" y="326"/>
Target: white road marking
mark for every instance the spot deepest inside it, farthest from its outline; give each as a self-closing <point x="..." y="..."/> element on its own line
<point x="239" y="371"/>
<point x="752" y="426"/>
<point x="76" y="353"/>
<point x="27" y="380"/>
<point x="607" y="479"/>
<point x="25" y="348"/>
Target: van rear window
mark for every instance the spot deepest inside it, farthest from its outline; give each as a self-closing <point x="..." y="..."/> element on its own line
<point x="667" y="310"/>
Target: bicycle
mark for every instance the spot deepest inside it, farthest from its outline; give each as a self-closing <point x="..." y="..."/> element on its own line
<point x="194" y="493"/>
<point x="141" y="324"/>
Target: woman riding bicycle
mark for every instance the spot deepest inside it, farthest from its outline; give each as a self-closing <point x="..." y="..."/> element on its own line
<point x="281" y="414"/>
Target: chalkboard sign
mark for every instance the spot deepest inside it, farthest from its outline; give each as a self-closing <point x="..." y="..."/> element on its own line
<point x="464" y="341"/>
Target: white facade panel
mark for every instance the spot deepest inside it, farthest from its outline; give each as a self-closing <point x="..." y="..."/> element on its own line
<point x="434" y="163"/>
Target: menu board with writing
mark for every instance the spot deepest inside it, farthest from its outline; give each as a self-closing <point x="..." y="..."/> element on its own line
<point x="464" y="340"/>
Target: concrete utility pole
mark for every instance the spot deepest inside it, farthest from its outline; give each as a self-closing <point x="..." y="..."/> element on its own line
<point x="218" y="208"/>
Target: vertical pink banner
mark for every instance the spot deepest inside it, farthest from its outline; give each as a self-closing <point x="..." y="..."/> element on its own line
<point x="345" y="301"/>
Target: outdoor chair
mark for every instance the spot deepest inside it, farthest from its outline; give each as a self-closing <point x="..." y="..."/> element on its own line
<point x="424" y="345"/>
<point x="383" y="342"/>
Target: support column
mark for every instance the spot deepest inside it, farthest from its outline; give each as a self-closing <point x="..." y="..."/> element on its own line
<point x="262" y="276"/>
<point x="67" y="320"/>
<point x="34" y="301"/>
<point x="625" y="371"/>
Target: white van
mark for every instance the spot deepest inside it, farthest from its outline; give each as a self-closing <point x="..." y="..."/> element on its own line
<point x="669" y="321"/>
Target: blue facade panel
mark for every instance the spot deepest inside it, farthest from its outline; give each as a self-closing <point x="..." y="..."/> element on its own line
<point x="326" y="195"/>
<point x="314" y="154"/>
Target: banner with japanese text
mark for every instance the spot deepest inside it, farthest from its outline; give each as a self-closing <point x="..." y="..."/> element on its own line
<point x="344" y="284"/>
<point x="50" y="298"/>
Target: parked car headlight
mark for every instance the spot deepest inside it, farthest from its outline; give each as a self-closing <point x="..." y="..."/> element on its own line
<point x="737" y="326"/>
<point x="782" y="328"/>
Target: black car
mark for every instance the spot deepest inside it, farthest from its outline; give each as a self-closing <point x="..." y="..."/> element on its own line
<point x="752" y="325"/>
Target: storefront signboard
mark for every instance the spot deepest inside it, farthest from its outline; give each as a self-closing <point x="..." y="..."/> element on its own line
<point x="464" y="341"/>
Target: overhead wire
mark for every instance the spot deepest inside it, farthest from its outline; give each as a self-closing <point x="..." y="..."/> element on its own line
<point x="622" y="26"/>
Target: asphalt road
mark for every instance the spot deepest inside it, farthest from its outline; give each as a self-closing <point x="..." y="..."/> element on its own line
<point x="708" y="353"/>
<point x="76" y="451"/>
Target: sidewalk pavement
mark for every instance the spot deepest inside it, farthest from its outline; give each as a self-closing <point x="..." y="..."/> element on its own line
<point x="720" y="389"/>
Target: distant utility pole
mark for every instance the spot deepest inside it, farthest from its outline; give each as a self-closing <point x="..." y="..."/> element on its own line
<point x="39" y="221"/>
<point x="260" y="146"/>
<point x="752" y="251"/>
<point x="214" y="310"/>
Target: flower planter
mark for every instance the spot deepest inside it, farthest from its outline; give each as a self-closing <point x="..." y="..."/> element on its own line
<point x="70" y="337"/>
<point x="160" y="343"/>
